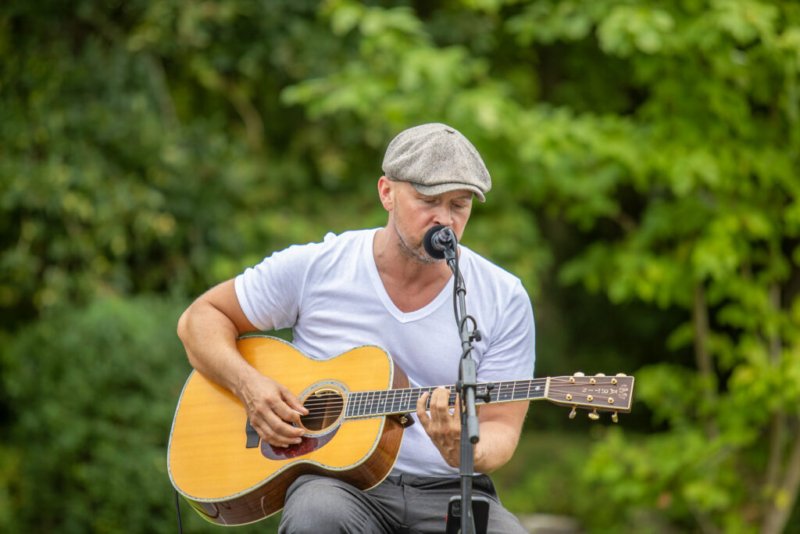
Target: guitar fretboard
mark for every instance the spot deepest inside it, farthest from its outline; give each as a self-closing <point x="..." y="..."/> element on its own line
<point x="401" y="401"/>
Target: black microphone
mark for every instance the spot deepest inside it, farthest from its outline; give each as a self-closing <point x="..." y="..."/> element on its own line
<point x="439" y="239"/>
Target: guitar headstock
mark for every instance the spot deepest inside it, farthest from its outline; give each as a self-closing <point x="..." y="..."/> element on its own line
<point x="596" y="393"/>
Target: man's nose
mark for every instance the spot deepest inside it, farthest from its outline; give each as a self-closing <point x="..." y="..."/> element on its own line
<point x="443" y="216"/>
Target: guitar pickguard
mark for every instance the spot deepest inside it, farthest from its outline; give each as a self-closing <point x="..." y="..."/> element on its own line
<point x="307" y="445"/>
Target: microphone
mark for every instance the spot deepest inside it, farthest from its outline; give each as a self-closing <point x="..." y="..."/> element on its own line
<point x="438" y="240"/>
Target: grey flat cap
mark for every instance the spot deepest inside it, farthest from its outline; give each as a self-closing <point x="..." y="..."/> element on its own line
<point x="436" y="158"/>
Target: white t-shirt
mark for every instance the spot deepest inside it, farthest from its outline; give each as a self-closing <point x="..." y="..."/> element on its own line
<point x="331" y="295"/>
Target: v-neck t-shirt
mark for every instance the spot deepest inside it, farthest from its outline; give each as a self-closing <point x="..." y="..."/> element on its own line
<point x="332" y="296"/>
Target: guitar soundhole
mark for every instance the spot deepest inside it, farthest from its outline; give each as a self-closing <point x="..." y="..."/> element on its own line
<point x="324" y="409"/>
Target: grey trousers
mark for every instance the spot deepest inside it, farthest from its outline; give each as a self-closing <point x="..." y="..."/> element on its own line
<point x="399" y="504"/>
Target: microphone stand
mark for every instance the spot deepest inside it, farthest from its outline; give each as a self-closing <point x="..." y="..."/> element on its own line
<point x="466" y="387"/>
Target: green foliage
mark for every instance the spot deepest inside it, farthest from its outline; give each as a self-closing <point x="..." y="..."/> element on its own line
<point x="716" y="136"/>
<point x="542" y="476"/>
<point x="118" y="174"/>
<point x="94" y="391"/>
<point x="92" y="387"/>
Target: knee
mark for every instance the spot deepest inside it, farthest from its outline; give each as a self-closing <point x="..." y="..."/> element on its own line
<point x="319" y="504"/>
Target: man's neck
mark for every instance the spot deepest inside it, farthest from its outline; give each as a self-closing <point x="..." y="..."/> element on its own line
<point x="409" y="282"/>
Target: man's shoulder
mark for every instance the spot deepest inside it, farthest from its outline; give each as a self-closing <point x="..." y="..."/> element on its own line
<point x="333" y="241"/>
<point x="348" y="237"/>
<point x="335" y="249"/>
<point x="348" y="242"/>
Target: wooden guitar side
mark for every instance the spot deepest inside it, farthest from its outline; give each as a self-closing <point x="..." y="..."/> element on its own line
<point x="230" y="484"/>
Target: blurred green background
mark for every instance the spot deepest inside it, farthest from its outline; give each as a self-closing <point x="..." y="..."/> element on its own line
<point x="645" y="157"/>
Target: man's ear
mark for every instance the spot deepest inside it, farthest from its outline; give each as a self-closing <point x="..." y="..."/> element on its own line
<point x="386" y="192"/>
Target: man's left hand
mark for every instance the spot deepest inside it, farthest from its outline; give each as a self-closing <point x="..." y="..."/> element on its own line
<point x="443" y="424"/>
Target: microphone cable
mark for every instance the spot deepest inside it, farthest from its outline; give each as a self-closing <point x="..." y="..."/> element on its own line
<point x="459" y="286"/>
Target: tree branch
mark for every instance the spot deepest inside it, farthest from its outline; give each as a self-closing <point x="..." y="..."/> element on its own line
<point x="777" y="429"/>
<point x="702" y="356"/>
<point x="780" y="508"/>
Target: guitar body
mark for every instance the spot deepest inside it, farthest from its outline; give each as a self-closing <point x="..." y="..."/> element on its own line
<point x="217" y="462"/>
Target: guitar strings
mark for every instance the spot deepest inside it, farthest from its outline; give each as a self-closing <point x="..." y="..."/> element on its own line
<point x="321" y="409"/>
<point x="316" y="404"/>
<point x="376" y="402"/>
<point x="412" y="394"/>
<point x="386" y="402"/>
<point x="393" y="395"/>
<point x="417" y="391"/>
<point x="393" y="400"/>
<point x="409" y="395"/>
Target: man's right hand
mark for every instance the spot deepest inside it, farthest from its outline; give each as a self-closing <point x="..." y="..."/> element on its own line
<point x="274" y="411"/>
<point x="209" y="329"/>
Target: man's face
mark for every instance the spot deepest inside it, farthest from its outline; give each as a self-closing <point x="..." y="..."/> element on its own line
<point x="412" y="214"/>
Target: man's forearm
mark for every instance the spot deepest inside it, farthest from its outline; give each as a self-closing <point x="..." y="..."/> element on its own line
<point x="209" y="338"/>
<point x="496" y="446"/>
<point x="500" y="428"/>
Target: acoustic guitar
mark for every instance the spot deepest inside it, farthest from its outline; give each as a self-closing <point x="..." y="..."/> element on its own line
<point x="358" y="404"/>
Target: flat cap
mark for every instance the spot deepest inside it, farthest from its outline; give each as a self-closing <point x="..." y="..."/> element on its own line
<point x="436" y="158"/>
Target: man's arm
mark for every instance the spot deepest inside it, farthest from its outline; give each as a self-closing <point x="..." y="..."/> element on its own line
<point x="500" y="426"/>
<point x="209" y="329"/>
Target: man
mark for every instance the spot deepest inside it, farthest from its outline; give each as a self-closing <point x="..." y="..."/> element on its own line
<point x="380" y="287"/>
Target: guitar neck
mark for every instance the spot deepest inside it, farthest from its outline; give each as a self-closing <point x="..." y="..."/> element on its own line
<point x="401" y="401"/>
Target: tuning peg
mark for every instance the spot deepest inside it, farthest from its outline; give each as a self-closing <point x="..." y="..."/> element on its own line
<point x="615" y="417"/>
<point x="573" y="413"/>
<point x="579" y="373"/>
<point x="621" y="374"/>
<point x="600" y="374"/>
<point x="593" y="415"/>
